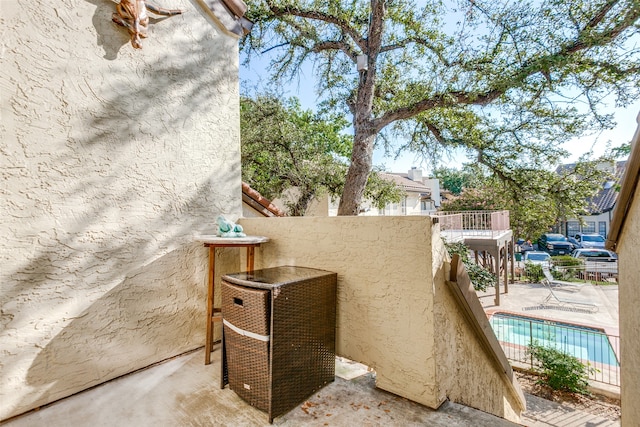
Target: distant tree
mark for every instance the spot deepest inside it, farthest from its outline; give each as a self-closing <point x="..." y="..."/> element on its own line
<point x="381" y="192"/>
<point x="285" y="147"/>
<point x="499" y="79"/>
<point x="456" y="180"/>
<point x="544" y="198"/>
<point x="622" y="151"/>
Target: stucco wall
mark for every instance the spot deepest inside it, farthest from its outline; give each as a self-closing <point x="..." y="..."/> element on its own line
<point x="394" y="311"/>
<point x="111" y="160"/>
<point x="466" y="373"/>
<point x="629" y="301"/>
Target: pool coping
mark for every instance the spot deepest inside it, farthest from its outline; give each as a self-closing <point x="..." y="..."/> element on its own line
<point x="605" y="329"/>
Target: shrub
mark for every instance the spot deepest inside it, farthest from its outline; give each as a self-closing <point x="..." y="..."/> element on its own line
<point x="566" y="261"/>
<point x="480" y="277"/>
<point x="533" y="271"/>
<point x="562" y="371"/>
<point x="565" y="266"/>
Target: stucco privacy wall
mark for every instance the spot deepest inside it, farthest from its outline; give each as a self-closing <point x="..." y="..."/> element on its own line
<point x="466" y="373"/>
<point x="111" y="159"/>
<point x="390" y="279"/>
<point x="629" y="300"/>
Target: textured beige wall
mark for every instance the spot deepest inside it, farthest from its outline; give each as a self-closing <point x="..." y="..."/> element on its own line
<point x="381" y="268"/>
<point x="466" y="373"/>
<point x="395" y="313"/>
<point x="111" y="159"/>
<point x="629" y="299"/>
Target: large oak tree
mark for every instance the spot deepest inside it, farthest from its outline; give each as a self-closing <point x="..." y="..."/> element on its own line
<point x="509" y="81"/>
<point x="285" y="147"/>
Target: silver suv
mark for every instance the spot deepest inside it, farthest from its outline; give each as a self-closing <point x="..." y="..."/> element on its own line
<point x="588" y="240"/>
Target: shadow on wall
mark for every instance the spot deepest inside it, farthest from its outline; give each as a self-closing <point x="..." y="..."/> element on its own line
<point x="101" y="275"/>
<point x="183" y="83"/>
<point x="110" y="294"/>
<point x="110" y="37"/>
<point x="133" y="303"/>
<point x="109" y="147"/>
<point x="119" y="332"/>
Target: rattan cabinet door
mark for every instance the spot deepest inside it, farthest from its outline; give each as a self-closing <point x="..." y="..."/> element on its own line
<point x="246" y="308"/>
<point x="246" y="314"/>
<point x="248" y="368"/>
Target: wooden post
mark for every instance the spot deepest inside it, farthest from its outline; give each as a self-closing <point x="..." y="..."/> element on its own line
<point x="209" y="338"/>
<point x="512" y="248"/>
<point x="505" y="264"/>
<point x="497" y="264"/>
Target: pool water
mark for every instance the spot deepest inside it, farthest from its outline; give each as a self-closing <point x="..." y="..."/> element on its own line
<point x="588" y="344"/>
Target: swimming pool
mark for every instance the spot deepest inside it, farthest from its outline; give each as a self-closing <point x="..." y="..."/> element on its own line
<point x="587" y="344"/>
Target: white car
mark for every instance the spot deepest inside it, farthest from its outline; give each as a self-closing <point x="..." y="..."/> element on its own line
<point x="595" y="255"/>
<point x="590" y="240"/>
<point x="537" y="257"/>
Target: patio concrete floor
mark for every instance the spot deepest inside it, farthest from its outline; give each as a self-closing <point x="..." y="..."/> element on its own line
<point x="185" y="392"/>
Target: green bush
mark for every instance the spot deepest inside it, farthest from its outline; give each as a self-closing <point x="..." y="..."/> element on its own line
<point x="533" y="271"/>
<point x="561" y="371"/>
<point x="480" y="277"/>
<point x="565" y="266"/>
<point x="566" y="261"/>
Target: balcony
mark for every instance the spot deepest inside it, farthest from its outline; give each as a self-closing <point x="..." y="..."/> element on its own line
<point x="396" y="314"/>
<point x="455" y="226"/>
<point x="488" y="235"/>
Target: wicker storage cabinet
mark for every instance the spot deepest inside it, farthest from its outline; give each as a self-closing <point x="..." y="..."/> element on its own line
<point x="278" y="344"/>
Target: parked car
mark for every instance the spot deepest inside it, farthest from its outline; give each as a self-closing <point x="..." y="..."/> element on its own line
<point x="595" y="255"/>
<point x="555" y="244"/>
<point x="587" y="240"/>
<point x="537" y="257"/>
<point x="524" y="245"/>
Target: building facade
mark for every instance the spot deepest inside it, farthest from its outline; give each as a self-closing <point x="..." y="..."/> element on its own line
<point x="600" y="207"/>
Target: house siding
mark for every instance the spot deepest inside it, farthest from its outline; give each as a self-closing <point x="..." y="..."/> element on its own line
<point x="112" y="159"/>
<point x="629" y="299"/>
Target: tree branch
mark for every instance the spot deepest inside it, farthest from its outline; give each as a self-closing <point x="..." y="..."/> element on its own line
<point x="606" y="36"/>
<point x="600" y="15"/>
<point x="404" y="43"/>
<point x="441" y="100"/>
<point x="335" y="45"/>
<point x="536" y="65"/>
<point x="275" y="47"/>
<point x="376" y="29"/>
<point x="319" y="16"/>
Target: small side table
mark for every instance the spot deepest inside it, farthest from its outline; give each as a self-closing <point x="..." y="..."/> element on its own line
<point x="213" y="242"/>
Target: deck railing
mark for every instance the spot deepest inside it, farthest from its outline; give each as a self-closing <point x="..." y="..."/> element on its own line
<point x="474" y="222"/>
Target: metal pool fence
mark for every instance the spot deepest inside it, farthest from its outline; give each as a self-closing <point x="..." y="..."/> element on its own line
<point x="591" y="346"/>
<point x="589" y="271"/>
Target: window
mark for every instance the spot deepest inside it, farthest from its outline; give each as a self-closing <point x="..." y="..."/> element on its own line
<point x="589" y="227"/>
<point x="602" y="228"/>
<point x="573" y="228"/>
